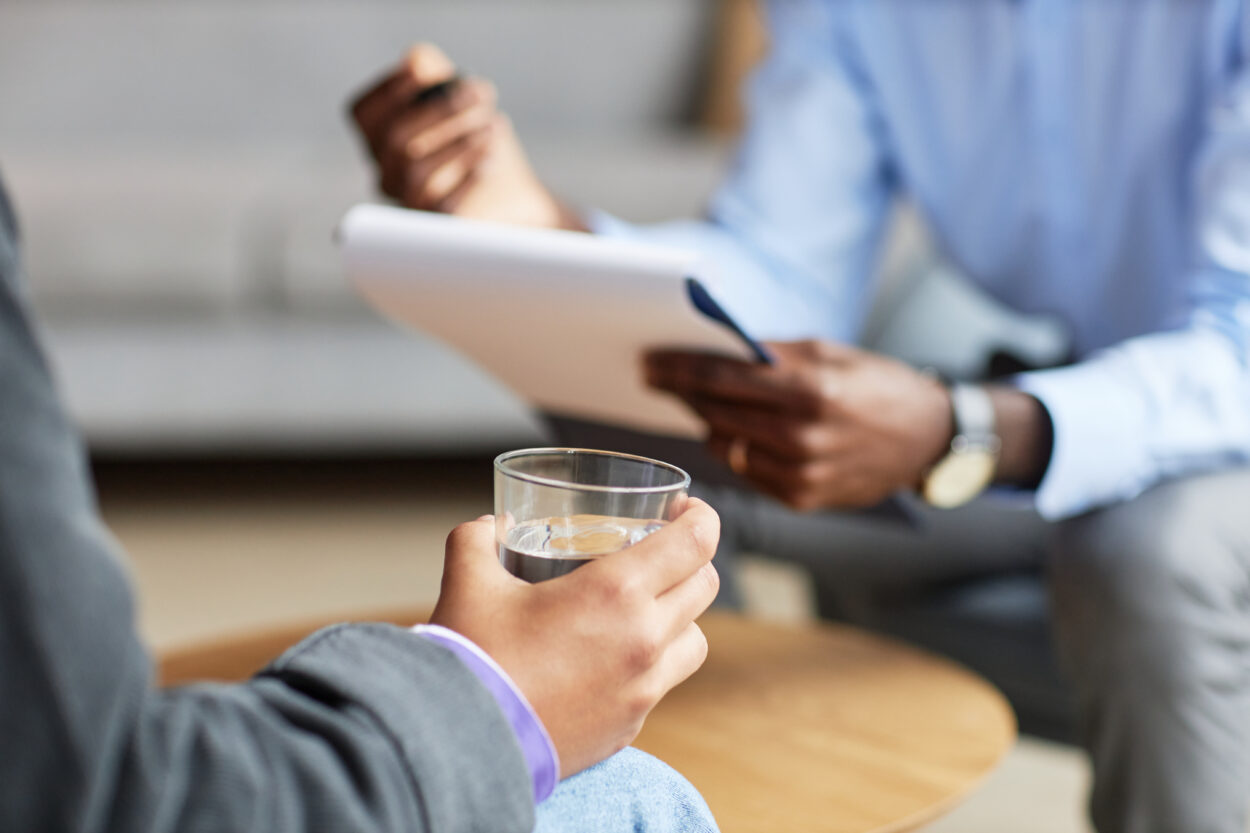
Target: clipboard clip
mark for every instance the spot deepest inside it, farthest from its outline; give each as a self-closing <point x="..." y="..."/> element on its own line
<point x="706" y="304"/>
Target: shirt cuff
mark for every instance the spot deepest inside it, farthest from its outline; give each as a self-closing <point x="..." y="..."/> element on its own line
<point x="536" y="746"/>
<point x="1099" y="434"/>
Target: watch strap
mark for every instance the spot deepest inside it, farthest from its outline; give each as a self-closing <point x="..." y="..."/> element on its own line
<point x="973" y="412"/>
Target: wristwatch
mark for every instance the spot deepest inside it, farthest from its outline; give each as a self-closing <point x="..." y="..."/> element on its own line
<point x="968" y="468"/>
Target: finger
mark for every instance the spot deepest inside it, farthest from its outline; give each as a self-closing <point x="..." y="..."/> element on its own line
<point x="450" y="203"/>
<point x="825" y="352"/>
<point x="375" y="106"/>
<point x="472" y="556"/>
<point x="423" y="67"/>
<point x="802" y="485"/>
<point x="435" y="178"/>
<point x="686" y="601"/>
<point x="423" y="131"/>
<point x="780" y="433"/>
<point x="708" y="375"/>
<point x="669" y="556"/>
<point x="684" y="656"/>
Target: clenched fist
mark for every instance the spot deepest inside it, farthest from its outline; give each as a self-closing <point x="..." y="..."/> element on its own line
<point x="594" y="650"/>
<point x="440" y="143"/>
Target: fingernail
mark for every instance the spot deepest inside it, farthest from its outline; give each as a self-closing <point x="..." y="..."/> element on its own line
<point x="487" y="518"/>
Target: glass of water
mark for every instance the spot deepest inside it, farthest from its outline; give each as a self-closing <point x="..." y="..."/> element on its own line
<point x="558" y="508"/>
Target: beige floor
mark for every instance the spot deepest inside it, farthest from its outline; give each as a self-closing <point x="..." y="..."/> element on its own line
<point x="222" y="548"/>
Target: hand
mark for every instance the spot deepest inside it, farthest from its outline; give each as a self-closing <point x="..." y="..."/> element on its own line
<point x="826" y="426"/>
<point x="453" y="152"/>
<point x="596" y="649"/>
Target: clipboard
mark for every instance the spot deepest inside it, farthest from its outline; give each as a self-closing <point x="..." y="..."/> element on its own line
<point x="561" y="318"/>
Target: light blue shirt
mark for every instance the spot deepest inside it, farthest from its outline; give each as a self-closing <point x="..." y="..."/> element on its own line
<point x="1088" y="159"/>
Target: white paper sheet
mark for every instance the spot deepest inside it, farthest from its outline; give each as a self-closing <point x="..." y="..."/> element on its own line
<point x="559" y="317"/>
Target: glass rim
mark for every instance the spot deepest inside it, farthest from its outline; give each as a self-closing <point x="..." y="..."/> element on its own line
<point x="502" y="460"/>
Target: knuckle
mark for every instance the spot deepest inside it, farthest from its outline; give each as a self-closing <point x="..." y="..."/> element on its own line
<point x="809" y="439"/>
<point x="628" y="589"/>
<point x="830" y="392"/>
<point x="416" y="148"/>
<point x="806" y="502"/>
<point x="808" y="476"/>
<point x="479" y="90"/>
<point x="810" y="348"/>
<point x="795" y="496"/>
<point x="392" y="145"/>
<point x="796" y="439"/>
<point x="638" y="705"/>
<point x="703" y="531"/>
<point x="613" y="589"/>
<point x="701" y="646"/>
<point x="642" y="652"/>
<point x="396" y="144"/>
<point x="419" y="171"/>
<point x="446" y="177"/>
<point x="424" y="58"/>
<point x="826" y="406"/>
<point x="865" y="493"/>
<point x="711" y="578"/>
<point x="808" y="395"/>
<point x="460" y="536"/>
<point x="630" y="735"/>
<point x="644" y="697"/>
<point x="421" y="50"/>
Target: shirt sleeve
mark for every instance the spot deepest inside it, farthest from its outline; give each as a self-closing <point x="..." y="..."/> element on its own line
<point x="791" y="237"/>
<point x="536" y="746"/>
<point x="1174" y="402"/>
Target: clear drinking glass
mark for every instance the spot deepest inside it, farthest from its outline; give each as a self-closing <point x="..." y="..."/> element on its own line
<point x="557" y="508"/>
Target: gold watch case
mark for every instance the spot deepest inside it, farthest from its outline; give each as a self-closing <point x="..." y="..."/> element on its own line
<point x="962" y="474"/>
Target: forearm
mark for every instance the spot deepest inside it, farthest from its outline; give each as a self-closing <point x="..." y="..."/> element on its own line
<point x="359" y="729"/>
<point x="365" y="728"/>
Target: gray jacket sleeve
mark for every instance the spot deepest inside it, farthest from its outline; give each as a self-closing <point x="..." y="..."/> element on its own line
<point x="360" y="727"/>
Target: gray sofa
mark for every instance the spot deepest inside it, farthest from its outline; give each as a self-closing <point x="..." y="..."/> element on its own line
<point x="178" y="168"/>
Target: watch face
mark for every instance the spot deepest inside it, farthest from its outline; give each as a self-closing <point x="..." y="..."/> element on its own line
<point x="959" y="477"/>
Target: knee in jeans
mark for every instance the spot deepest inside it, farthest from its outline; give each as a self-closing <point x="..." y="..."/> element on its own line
<point x="630" y="792"/>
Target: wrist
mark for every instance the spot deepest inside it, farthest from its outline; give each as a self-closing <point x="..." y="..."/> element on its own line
<point x="535" y="743"/>
<point x="1027" y="437"/>
<point x="568" y="219"/>
<point x="937" y="440"/>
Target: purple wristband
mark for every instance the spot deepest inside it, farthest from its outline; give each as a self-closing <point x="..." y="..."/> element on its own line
<point x="536" y="746"/>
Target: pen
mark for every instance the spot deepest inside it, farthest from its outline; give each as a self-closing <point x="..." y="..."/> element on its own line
<point x="435" y="92"/>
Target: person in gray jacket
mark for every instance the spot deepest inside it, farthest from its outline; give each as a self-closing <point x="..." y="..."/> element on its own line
<point x="464" y="726"/>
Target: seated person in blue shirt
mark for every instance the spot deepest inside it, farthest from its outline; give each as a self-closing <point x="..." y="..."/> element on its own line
<point x="1086" y="160"/>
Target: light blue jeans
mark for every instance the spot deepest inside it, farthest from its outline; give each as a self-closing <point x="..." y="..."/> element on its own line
<point x="631" y="792"/>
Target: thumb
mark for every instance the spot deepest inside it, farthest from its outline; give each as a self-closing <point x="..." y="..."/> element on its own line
<point x="472" y="556"/>
<point x="428" y="65"/>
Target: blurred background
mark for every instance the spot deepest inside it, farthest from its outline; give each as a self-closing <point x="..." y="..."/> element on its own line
<point x="266" y="448"/>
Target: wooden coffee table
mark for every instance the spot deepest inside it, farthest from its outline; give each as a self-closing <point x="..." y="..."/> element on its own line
<point x="785" y="728"/>
<point x="827" y="728"/>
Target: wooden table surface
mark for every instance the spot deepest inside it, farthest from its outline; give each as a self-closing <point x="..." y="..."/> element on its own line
<point x="785" y="728"/>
